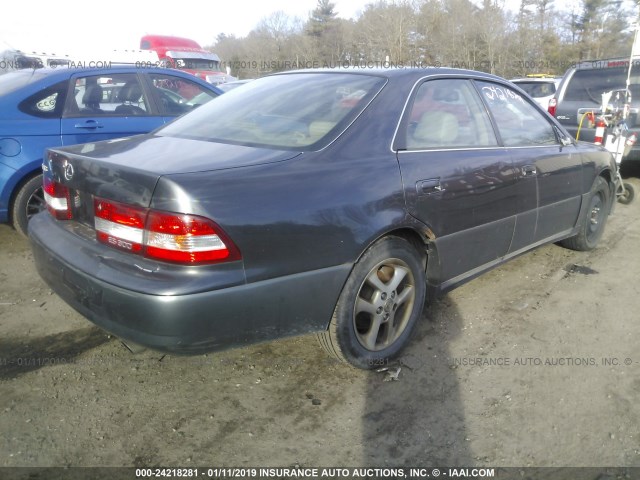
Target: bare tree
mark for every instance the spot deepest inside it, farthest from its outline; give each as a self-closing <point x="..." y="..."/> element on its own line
<point x="478" y="34"/>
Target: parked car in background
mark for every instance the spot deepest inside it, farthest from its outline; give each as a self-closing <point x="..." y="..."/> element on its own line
<point x="581" y="92"/>
<point x="326" y="201"/>
<point x="53" y="107"/>
<point x="13" y="59"/>
<point x="541" y="88"/>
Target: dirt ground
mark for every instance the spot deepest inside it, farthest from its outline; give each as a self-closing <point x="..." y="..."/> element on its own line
<point x="533" y="364"/>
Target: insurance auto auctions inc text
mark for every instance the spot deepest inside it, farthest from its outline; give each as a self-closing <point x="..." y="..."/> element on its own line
<point x="538" y="361"/>
<point x="353" y="473"/>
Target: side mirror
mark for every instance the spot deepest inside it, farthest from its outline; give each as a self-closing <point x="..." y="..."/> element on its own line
<point x="565" y="140"/>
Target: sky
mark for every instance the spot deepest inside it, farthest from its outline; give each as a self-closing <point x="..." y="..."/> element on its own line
<point x="118" y="24"/>
<point x="65" y="26"/>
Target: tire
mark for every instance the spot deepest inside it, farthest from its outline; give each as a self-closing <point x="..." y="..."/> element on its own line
<point x="379" y="306"/>
<point x="598" y="206"/>
<point x="28" y="201"/>
<point x="627" y="195"/>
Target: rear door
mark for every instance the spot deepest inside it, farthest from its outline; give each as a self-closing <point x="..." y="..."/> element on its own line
<point x="104" y="106"/>
<point x="457" y="179"/>
<point x="549" y="173"/>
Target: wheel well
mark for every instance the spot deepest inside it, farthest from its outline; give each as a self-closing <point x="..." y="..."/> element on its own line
<point x="414" y="238"/>
<point x="606" y="174"/>
<point x="28" y="177"/>
<point x="609" y="177"/>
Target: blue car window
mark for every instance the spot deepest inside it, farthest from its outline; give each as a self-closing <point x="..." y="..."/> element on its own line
<point x="177" y="95"/>
<point x="116" y="94"/>
<point x="47" y="103"/>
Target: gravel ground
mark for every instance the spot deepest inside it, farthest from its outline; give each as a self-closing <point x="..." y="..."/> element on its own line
<point x="536" y="363"/>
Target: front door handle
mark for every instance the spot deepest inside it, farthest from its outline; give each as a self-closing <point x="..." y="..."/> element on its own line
<point x="89" y="124"/>
<point x="429" y="186"/>
<point x="529" y="170"/>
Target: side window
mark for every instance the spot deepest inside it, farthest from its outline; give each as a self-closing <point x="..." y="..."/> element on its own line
<point x="519" y="123"/>
<point x="114" y="95"/>
<point x="47" y="103"/>
<point x="178" y="95"/>
<point x="447" y="113"/>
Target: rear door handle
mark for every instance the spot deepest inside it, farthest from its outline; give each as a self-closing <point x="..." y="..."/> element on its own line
<point x="429" y="186"/>
<point x="89" y="124"/>
<point x="529" y="170"/>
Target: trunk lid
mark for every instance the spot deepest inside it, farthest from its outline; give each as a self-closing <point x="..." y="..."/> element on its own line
<point x="127" y="170"/>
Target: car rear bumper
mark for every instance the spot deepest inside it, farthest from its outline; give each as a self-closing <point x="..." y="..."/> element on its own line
<point x="196" y="322"/>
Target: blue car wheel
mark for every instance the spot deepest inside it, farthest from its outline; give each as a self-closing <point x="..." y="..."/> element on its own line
<point x="28" y="201"/>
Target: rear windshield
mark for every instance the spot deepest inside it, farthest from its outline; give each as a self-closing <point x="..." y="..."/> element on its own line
<point x="538" y="89"/>
<point x="301" y="111"/>
<point x="12" y="81"/>
<point x="589" y="85"/>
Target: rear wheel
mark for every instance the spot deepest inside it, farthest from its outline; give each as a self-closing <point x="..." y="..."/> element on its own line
<point x="593" y="224"/>
<point x="379" y="305"/>
<point x="28" y="201"/>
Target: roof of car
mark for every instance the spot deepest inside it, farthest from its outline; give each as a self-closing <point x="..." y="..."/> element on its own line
<point x="64" y="71"/>
<point x="537" y="79"/>
<point x="46" y="76"/>
<point x="393" y="72"/>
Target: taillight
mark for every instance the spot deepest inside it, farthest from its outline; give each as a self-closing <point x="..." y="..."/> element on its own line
<point x="186" y="239"/>
<point x="553" y="104"/>
<point x="58" y="199"/>
<point x="172" y="237"/>
<point x="118" y="225"/>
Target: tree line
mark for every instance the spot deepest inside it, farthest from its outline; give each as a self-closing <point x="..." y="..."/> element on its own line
<point x="540" y="38"/>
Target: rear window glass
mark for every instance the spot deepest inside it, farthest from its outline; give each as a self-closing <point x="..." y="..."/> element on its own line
<point x="12" y="81"/>
<point x="299" y="111"/>
<point x="538" y="89"/>
<point x="47" y="103"/>
<point x="589" y="85"/>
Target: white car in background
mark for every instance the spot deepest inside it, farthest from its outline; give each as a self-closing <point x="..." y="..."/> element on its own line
<point x="541" y="88"/>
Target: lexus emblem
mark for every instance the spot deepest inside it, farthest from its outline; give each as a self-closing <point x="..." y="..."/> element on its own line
<point x="68" y="171"/>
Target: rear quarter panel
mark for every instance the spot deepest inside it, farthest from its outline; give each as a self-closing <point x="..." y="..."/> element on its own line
<point x="34" y="138"/>
<point x="300" y="215"/>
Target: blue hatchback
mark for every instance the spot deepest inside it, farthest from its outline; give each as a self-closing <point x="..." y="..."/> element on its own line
<point x="54" y="107"/>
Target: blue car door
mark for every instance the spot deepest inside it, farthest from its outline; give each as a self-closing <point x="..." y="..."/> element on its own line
<point x="106" y="105"/>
